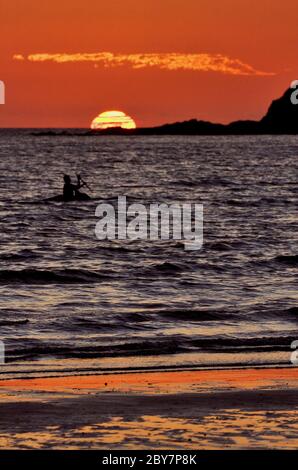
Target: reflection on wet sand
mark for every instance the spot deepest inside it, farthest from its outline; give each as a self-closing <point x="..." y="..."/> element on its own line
<point x="230" y="429"/>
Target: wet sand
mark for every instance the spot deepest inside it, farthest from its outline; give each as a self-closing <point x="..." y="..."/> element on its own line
<point x="228" y="409"/>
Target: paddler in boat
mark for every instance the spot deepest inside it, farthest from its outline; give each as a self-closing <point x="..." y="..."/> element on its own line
<point x="71" y="191"/>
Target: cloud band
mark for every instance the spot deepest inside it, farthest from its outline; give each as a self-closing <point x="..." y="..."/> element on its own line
<point x="166" y="61"/>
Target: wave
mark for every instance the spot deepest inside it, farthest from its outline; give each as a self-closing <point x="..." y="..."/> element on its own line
<point x="119" y="249"/>
<point x="290" y="260"/>
<point x="183" y="183"/>
<point x="292" y="311"/>
<point x="13" y="322"/>
<point x="197" y="315"/>
<point x="136" y="320"/>
<point x="19" y="256"/>
<point x="277" y="261"/>
<point x="166" y="268"/>
<point x="63" y="276"/>
<point x="218" y="246"/>
<point x="153" y="347"/>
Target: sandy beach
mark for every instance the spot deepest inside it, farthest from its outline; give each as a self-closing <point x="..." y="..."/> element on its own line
<point x="223" y="409"/>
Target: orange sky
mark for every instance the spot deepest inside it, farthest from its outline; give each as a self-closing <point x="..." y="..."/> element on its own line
<point x="168" y="60"/>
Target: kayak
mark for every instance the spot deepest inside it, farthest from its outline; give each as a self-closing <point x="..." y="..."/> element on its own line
<point x="79" y="197"/>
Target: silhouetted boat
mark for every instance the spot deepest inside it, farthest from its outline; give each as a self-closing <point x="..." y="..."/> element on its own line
<point x="60" y="198"/>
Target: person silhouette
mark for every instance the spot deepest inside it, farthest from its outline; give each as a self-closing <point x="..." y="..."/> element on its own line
<point x="71" y="191"/>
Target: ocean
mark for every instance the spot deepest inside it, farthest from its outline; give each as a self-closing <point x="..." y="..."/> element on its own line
<point x="72" y="304"/>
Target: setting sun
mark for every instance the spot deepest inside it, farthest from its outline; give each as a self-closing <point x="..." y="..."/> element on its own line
<point x="110" y="119"/>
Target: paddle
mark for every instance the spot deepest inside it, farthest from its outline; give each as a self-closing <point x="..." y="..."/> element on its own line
<point x="80" y="179"/>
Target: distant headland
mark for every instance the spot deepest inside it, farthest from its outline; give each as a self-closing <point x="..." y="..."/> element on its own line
<point x="281" y="118"/>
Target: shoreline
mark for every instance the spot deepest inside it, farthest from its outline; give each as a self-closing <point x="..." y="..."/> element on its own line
<point x="51" y="368"/>
<point x="161" y="380"/>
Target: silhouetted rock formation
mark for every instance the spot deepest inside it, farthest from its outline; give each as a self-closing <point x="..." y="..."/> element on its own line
<point x="282" y="116"/>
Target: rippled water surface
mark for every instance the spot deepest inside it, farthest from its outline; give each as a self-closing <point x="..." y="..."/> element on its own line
<point x="132" y="304"/>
